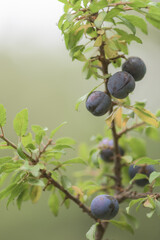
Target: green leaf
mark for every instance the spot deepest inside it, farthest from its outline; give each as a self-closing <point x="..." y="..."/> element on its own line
<point x="127" y="37"/>
<point x="90" y="235"/>
<point x="56" y="129"/>
<point x="98" y="41"/>
<point x="146" y="160"/>
<point x="20" y="151"/>
<point x="66" y="25"/>
<point x="6" y="160"/>
<point x="146" y="116"/>
<point x="138" y="4"/>
<point x="15" y="192"/>
<point x="36" y="182"/>
<point x="61" y="147"/>
<point x="94" y="157"/>
<point x="113" y="13"/>
<point x="73" y="37"/>
<point x="140" y="104"/>
<point x="85" y="2"/>
<point x="61" y="20"/>
<point x="24" y="195"/>
<point x="54" y="204"/>
<point x="110" y="48"/>
<point x="35" y="194"/>
<point x="157" y="203"/>
<point x="149" y="203"/>
<point x="80" y="100"/>
<point x="79" y="56"/>
<point x="100" y="19"/>
<point x="9" y="167"/>
<point x="133" y="202"/>
<point x="31" y="148"/>
<point x="76" y="51"/>
<point x="153" y="15"/>
<point x="137" y="21"/>
<point x="158" y="113"/>
<point x="139" y="176"/>
<point x="27" y="139"/>
<point x="150" y="214"/>
<point x="65" y="141"/>
<point x="39" y="133"/>
<point x="3" y="177"/>
<point x="74" y="161"/>
<point x="153" y="21"/>
<point x="65" y="182"/>
<point x="96" y="6"/>
<point x="2" y="115"/>
<point x="111" y="117"/>
<point x="132" y="220"/>
<point x="127" y="158"/>
<point x="157" y="182"/>
<point x="122" y="45"/>
<point x="153" y="176"/>
<point x="34" y="170"/>
<point x="122" y="225"/>
<point x="5" y="192"/>
<point x="127" y="23"/>
<point x="20" y="122"/>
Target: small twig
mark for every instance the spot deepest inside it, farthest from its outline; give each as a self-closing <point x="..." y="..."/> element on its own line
<point x="117" y="57"/>
<point x="95" y="66"/>
<point x="85" y="209"/>
<point x="44" y="149"/>
<point x="48" y="183"/>
<point x="111" y="176"/>
<point x="81" y="10"/>
<point x="58" y="166"/>
<point x="94" y="58"/>
<point x="130" y="128"/>
<point x="2" y="131"/>
<point x="9" y="143"/>
<point x="127" y="194"/>
<point x="101" y="228"/>
<point x="64" y="200"/>
<point x="117" y="158"/>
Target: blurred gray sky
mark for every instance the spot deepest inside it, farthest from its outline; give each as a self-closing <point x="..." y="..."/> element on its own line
<point x="29" y="22"/>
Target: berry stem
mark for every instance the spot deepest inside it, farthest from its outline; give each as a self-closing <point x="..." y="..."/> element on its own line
<point x="117" y="159"/>
<point x="100" y="231"/>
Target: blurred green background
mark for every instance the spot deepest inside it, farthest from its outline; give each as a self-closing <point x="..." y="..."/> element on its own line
<point x="36" y="72"/>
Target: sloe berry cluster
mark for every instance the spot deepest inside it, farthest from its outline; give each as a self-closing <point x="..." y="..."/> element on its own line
<point x="119" y="85"/>
<point x="107" y="150"/>
<point x="146" y="170"/>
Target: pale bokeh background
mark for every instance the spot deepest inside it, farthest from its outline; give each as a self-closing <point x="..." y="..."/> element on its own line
<point x="36" y="72"/>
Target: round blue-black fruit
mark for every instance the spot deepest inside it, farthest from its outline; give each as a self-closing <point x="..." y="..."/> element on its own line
<point x="98" y="103"/>
<point x="107" y="150"/>
<point x="104" y="207"/>
<point x="147" y="170"/>
<point x="121" y="84"/>
<point x="136" y="67"/>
